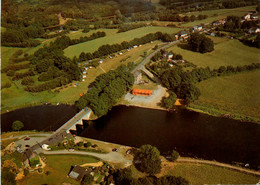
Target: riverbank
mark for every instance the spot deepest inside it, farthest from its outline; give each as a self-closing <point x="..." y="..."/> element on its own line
<point x="221" y="113"/>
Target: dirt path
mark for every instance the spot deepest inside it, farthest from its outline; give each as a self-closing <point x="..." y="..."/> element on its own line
<point x="214" y="163"/>
<point x="99" y="163"/>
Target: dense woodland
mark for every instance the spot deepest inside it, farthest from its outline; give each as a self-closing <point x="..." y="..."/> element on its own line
<point x="105" y="91"/>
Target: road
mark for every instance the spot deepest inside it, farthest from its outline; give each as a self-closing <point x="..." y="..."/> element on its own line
<point x="141" y="66"/>
<point x="30" y="135"/>
<point x="114" y="157"/>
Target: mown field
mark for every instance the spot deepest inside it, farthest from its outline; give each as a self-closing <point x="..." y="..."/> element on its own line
<point x="226" y="52"/>
<point x="236" y="94"/>
<point x="58" y="166"/>
<point x="206" y="174"/>
<point x="214" y="15"/>
<point x="15" y="97"/>
<point x="202" y="174"/>
<point x="93" y="45"/>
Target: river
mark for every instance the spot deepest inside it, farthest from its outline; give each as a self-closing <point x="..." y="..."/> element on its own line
<point x="190" y="133"/>
<point x="41" y="118"/>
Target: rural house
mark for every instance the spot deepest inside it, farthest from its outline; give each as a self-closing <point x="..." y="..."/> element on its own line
<point x="254" y="30"/>
<point x="78" y="172"/>
<point x="142" y="92"/>
<point x="197" y="28"/>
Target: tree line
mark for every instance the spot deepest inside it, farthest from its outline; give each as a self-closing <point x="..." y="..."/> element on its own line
<point x="107" y="49"/>
<point x="127" y="27"/>
<point x="105" y="91"/>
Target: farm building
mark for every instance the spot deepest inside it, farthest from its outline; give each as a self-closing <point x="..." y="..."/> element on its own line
<point x="78" y="172"/>
<point x="143" y="92"/>
<point x="197" y="28"/>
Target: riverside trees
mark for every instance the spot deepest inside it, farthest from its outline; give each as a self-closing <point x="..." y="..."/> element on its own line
<point x="104" y="92"/>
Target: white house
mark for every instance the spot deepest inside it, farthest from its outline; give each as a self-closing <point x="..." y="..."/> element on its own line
<point x="45" y="147"/>
<point x="197" y="28"/>
<point x="84" y="76"/>
<point x="247" y="17"/>
<point x="254" y="30"/>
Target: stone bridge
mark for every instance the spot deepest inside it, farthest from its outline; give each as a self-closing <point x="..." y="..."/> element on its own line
<point x="76" y="120"/>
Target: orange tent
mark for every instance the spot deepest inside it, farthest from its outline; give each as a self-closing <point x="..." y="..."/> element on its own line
<point x="142" y="92"/>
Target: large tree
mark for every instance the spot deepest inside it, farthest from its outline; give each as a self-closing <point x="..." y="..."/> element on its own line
<point x="148" y="160"/>
<point x="17" y="125"/>
<point x="200" y="43"/>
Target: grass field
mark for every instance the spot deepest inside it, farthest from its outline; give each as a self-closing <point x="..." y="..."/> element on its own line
<point x="237" y="94"/>
<point x="214" y="15"/>
<point x="202" y="174"/>
<point x="227" y="52"/>
<point x="58" y="166"/>
<point x="206" y="174"/>
<point x="93" y="45"/>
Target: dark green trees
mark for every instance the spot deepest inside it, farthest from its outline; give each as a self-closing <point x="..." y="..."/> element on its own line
<point x="148" y="160"/>
<point x="200" y="43"/>
<point x="106" y="90"/>
<point x="169" y="101"/>
<point x="17" y="125"/>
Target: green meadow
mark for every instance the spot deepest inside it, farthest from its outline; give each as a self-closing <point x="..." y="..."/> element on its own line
<point x="227" y="52"/>
<point x="237" y="94"/>
<point x="93" y="45"/>
<point x="214" y="15"/>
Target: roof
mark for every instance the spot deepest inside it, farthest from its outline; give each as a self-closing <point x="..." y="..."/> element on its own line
<point x="78" y="172"/>
<point x="142" y="91"/>
<point x="182" y="32"/>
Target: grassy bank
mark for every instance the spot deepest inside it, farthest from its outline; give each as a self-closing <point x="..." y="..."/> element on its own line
<point x="227" y="52"/>
<point x="236" y="94"/>
<point x="207" y="174"/>
<point x="58" y="166"/>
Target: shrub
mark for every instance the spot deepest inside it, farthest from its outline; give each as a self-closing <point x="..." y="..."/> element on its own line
<point x="26" y="172"/>
<point x="174" y="155"/>
<point x="17" y="125"/>
<point x="88" y="144"/>
<point x="27" y="81"/>
<point x="40" y="170"/>
<point x="6" y="85"/>
<point x="10" y="73"/>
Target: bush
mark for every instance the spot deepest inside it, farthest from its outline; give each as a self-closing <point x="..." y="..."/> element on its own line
<point x="26" y="172"/>
<point x="17" y="125"/>
<point x="27" y="81"/>
<point x="48" y="173"/>
<point x="80" y="144"/>
<point x="10" y="73"/>
<point x="40" y="170"/>
<point x="6" y="85"/>
<point x="174" y="155"/>
<point x="94" y="146"/>
<point x="88" y="144"/>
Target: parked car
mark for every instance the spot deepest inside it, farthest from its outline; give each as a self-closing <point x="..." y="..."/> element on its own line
<point x="27" y="138"/>
<point x="71" y="150"/>
<point x="115" y="149"/>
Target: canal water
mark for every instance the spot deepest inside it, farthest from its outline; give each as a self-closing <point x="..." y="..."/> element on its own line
<point x="41" y="118"/>
<point x="190" y="133"/>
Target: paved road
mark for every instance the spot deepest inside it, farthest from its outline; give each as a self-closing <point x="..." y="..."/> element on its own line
<point x="113" y="157"/>
<point x="38" y="134"/>
<point x="141" y="66"/>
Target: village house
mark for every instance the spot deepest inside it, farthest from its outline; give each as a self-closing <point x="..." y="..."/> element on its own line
<point x="253" y="30"/>
<point x="181" y="34"/>
<point x="254" y="16"/>
<point x="197" y="28"/>
<point x="78" y="172"/>
<point x="247" y="17"/>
